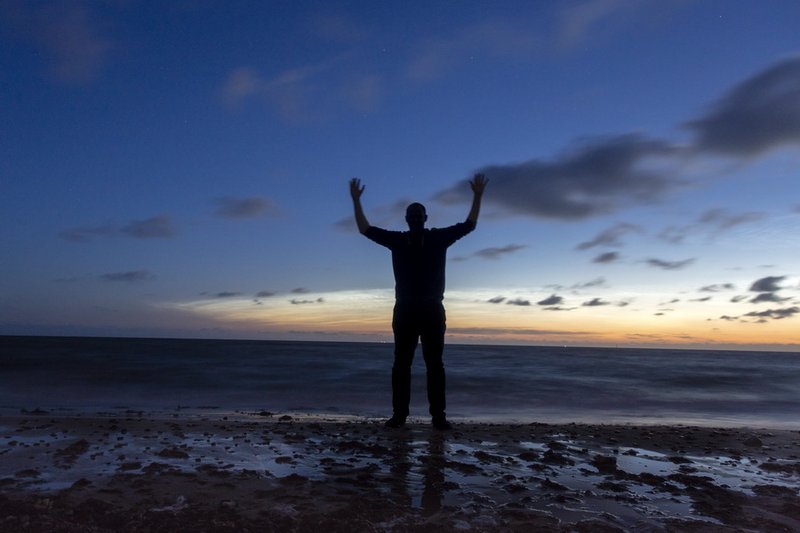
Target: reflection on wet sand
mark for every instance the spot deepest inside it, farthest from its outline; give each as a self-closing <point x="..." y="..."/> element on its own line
<point x="256" y="471"/>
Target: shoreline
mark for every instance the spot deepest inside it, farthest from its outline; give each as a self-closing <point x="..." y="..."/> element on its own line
<point x="133" y="469"/>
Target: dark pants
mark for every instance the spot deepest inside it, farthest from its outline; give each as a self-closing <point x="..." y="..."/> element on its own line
<point x="413" y="322"/>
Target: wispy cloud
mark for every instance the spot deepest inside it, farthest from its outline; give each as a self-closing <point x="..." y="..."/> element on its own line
<point x="157" y="227"/>
<point x="519" y="301"/>
<point x="669" y="265"/>
<point x="610" y="237"/>
<point x="607" y="257"/>
<point x="755" y="116"/>
<point x="493" y="252"/>
<point x="227" y="294"/>
<point x="601" y="176"/>
<point x="775" y="314"/>
<point x="497" y="300"/>
<point x="307" y="92"/>
<point x="233" y="208"/>
<point x="295" y="301"/>
<point x="717" y="287"/>
<point x="132" y="276"/>
<point x="595" y="302"/>
<point x="264" y="294"/>
<point x="69" y="34"/>
<point x="434" y="58"/>
<point x="710" y="223"/>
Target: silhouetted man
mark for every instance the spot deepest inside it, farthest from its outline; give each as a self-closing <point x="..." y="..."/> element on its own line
<point x="418" y="260"/>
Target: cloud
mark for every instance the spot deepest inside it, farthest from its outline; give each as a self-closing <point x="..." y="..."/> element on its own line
<point x="739" y="298"/>
<point x="227" y="294"/>
<point x="551" y="300"/>
<point x="596" y="178"/>
<point x="669" y="265"/>
<point x="68" y="34"/>
<point x="158" y="227"/>
<point x="595" y="302"/>
<point x="302" y="302"/>
<point x="264" y="294"/>
<point x="132" y="276"/>
<point x="300" y="290"/>
<point x="729" y="318"/>
<point x="579" y="20"/>
<point x="703" y="299"/>
<point x="607" y="257"/>
<point x="229" y="207"/>
<point x="603" y="175"/>
<point x="611" y="236"/>
<point x="757" y="115"/>
<point x="519" y="301"/>
<point x="434" y="58"/>
<point x="497" y="300"/>
<point x="307" y="92"/>
<point x="596" y="282"/>
<point x="767" y="284"/>
<point x="494" y="252"/>
<point x="713" y="221"/>
<point x="717" y="287"/>
<point x="767" y="297"/>
<point x="775" y="314"/>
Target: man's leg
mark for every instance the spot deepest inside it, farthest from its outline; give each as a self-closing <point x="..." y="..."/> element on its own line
<point x="432" y="349"/>
<point x="405" y="343"/>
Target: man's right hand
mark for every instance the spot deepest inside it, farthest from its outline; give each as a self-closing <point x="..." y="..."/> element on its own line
<point x="356" y="189"/>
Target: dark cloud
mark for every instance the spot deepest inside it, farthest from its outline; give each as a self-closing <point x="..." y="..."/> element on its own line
<point x="302" y="302"/>
<point x="513" y="331"/>
<point x="669" y="265"/>
<point x="729" y="318"/>
<point x="738" y="298"/>
<point x="558" y="308"/>
<point x="710" y="223"/>
<point x="129" y="277"/>
<point x="87" y="234"/>
<point x="758" y="114"/>
<point x="767" y="297"/>
<point x="519" y="301"/>
<point x="717" y="287"/>
<point x="67" y="34"/>
<point x="767" y="284"/>
<point x="607" y="257"/>
<point x="775" y="314"/>
<point x="551" y="300"/>
<point x="596" y="178"/>
<point x="595" y="302"/>
<point x="596" y="282"/>
<point x="158" y="227"/>
<point x="264" y="294"/>
<point x="497" y="300"/>
<point x="229" y="207"/>
<point x="300" y="290"/>
<point x="611" y="236"/>
<point x="495" y="253"/>
<point x="227" y="294"/>
<point x="703" y="299"/>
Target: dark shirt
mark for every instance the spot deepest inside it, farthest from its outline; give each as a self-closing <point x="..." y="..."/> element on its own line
<point x="418" y="260"/>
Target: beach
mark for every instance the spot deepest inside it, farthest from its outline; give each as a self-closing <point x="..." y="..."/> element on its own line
<point x="185" y="470"/>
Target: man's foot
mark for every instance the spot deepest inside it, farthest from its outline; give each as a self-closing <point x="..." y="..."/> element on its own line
<point x="395" y="422"/>
<point x="441" y="424"/>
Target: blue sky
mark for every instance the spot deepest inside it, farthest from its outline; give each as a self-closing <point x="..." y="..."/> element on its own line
<point x="181" y="168"/>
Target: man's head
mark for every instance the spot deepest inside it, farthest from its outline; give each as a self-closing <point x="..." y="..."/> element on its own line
<point x="416" y="216"/>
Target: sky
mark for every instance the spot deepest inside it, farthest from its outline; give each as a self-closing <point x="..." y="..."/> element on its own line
<point x="180" y="169"/>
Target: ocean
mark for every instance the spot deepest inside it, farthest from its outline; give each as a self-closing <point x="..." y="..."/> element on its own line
<point x="508" y="384"/>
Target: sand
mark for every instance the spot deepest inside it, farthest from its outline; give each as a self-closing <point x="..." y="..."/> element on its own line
<point x="260" y="471"/>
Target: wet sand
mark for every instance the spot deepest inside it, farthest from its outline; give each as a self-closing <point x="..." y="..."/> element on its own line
<point x="140" y="471"/>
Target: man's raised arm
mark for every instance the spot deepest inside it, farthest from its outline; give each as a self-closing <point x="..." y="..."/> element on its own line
<point x="356" y="190"/>
<point x="478" y="184"/>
